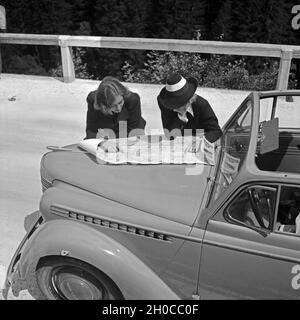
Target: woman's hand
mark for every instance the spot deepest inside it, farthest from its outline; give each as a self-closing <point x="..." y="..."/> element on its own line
<point x="181" y="113"/>
<point x="109" y="146"/>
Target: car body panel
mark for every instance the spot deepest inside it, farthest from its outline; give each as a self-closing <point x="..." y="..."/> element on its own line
<point x="133" y="228"/>
<point x="261" y="269"/>
<point x="55" y="201"/>
<point x="169" y="254"/>
<point x="130" y="274"/>
<point x="138" y="186"/>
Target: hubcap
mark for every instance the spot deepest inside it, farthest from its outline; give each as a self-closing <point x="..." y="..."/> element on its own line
<point x="71" y="283"/>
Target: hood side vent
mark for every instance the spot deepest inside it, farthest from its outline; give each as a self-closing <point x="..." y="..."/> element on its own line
<point x="103" y="222"/>
<point x="45" y="184"/>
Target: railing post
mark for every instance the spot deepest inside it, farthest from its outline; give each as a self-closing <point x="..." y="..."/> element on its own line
<point x="66" y="59"/>
<point x="284" y="69"/>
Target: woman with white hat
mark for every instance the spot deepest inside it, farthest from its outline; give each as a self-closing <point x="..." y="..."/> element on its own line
<point x="182" y="109"/>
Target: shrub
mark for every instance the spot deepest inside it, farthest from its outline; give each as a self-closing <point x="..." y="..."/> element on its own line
<point x="24" y="65"/>
<point x="79" y="67"/>
<point x="221" y="73"/>
<point x="158" y="65"/>
<point x="217" y="71"/>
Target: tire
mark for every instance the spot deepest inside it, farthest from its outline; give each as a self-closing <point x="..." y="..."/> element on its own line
<point x="61" y="278"/>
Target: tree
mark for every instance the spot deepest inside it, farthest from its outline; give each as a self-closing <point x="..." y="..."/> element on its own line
<point x="43" y="17"/>
<point x="264" y="21"/>
<point x="116" y="18"/>
<point x="178" y="19"/>
<point x="257" y="21"/>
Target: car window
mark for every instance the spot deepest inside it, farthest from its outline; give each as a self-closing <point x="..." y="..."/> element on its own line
<point x="244" y="121"/>
<point x="253" y="207"/>
<point x="288" y="216"/>
<point x="285" y="108"/>
<point x="278" y="142"/>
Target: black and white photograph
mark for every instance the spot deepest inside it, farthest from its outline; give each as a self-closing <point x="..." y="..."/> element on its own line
<point x="150" y="151"/>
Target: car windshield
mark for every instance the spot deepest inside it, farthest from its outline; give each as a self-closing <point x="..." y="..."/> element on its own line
<point x="233" y="149"/>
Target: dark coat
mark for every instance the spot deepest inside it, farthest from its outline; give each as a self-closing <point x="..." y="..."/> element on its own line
<point x="204" y="118"/>
<point x="131" y="112"/>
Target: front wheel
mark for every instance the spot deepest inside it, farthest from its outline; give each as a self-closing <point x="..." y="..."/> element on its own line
<point x="62" y="278"/>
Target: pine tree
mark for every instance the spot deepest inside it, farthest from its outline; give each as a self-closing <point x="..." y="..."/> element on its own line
<point x="14" y="15"/>
<point x="264" y="21"/>
<point x="200" y="19"/>
<point x="256" y="21"/>
<point x="162" y="18"/>
<point x="79" y="24"/>
<point x="179" y="19"/>
<point x="116" y="18"/>
<point x="39" y="17"/>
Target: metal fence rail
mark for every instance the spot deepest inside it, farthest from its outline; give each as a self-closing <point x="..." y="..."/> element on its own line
<point x="284" y="52"/>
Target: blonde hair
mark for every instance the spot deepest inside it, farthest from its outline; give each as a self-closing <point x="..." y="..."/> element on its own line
<point x="108" y="90"/>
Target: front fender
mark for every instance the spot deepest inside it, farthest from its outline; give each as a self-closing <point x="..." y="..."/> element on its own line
<point x="61" y="237"/>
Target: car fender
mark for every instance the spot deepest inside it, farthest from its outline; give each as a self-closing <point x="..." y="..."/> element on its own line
<point x="74" y="239"/>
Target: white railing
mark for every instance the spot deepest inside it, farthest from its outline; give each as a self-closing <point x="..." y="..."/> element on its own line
<point x="285" y="52"/>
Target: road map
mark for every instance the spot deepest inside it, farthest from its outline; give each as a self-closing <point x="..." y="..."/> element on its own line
<point x="152" y="150"/>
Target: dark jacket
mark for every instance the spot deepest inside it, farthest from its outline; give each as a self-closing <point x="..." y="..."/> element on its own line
<point x="131" y="112"/>
<point x="204" y="118"/>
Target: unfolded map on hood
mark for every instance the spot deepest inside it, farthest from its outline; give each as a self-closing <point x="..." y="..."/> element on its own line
<point x="152" y="150"/>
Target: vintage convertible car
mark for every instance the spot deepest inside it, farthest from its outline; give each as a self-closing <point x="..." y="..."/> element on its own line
<point x="156" y="232"/>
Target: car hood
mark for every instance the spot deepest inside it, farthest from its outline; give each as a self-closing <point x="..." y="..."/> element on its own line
<point x="169" y="191"/>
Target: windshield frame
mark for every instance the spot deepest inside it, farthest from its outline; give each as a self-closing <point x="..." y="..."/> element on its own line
<point x="250" y="153"/>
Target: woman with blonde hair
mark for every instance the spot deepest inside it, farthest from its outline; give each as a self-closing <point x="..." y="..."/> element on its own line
<point x="110" y="104"/>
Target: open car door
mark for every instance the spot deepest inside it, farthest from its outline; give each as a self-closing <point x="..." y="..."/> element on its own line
<point x="244" y="255"/>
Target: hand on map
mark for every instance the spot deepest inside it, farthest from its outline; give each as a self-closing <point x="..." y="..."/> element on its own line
<point x="109" y="146"/>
